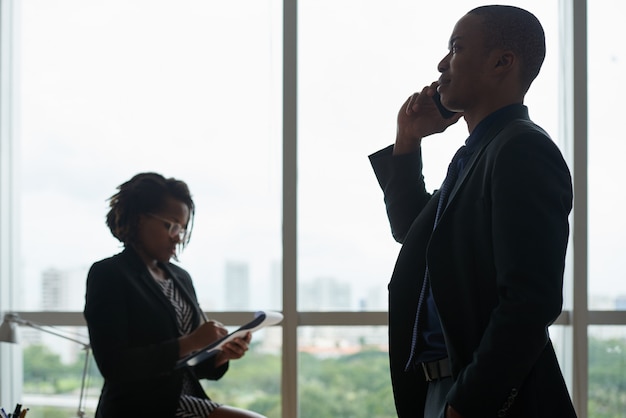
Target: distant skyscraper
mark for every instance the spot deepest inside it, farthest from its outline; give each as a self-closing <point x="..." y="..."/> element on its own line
<point x="376" y="299"/>
<point x="54" y="289"/>
<point x="324" y="293"/>
<point x="57" y="293"/>
<point x="237" y="277"/>
<point x="276" y="286"/>
<point x="620" y="303"/>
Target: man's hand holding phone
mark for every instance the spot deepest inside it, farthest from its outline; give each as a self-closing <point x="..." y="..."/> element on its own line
<point x="420" y="116"/>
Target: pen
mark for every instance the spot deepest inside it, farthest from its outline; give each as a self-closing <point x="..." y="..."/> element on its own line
<point x="18" y="409"/>
<point x="4" y="413"/>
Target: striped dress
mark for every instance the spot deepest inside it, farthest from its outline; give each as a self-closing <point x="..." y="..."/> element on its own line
<point x="192" y="404"/>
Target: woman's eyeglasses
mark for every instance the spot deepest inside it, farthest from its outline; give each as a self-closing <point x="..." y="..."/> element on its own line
<point x="173" y="228"/>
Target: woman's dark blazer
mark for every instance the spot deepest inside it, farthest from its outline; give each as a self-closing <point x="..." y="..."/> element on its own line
<point x="496" y="262"/>
<point x="134" y="336"/>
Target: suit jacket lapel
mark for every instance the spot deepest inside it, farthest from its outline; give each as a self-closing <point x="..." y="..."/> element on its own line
<point x="149" y="284"/>
<point x="491" y="133"/>
<point x="155" y="289"/>
<point x="470" y="164"/>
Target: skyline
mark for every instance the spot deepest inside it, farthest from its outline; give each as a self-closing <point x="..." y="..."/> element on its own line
<point x="61" y="290"/>
<point x="263" y="293"/>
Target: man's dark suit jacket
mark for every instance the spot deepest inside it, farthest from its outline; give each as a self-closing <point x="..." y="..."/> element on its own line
<point x="496" y="262"/>
<point x="134" y="336"/>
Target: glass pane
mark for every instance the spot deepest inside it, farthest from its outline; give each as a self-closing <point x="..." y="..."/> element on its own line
<point x="189" y="89"/>
<point x="607" y="371"/>
<point x="351" y="84"/>
<point x="607" y="226"/>
<point x="344" y="372"/>
<point x="254" y="381"/>
<point x="561" y="336"/>
<point x="53" y="369"/>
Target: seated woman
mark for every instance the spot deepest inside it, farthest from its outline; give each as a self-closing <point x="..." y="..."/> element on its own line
<point x="143" y="314"/>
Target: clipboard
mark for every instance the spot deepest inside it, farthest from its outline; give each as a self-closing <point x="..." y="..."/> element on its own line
<point x="261" y="319"/>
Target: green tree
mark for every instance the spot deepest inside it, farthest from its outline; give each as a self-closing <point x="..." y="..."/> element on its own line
<point x="347" y="386"/>
<point x="607" y="378"/>
<point x="41" y="364"/>
<point x="43" y="369"/>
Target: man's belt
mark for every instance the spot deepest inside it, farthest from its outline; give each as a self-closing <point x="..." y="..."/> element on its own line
<point x="434" y="370"/>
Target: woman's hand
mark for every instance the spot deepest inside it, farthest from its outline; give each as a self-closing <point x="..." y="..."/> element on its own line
<point x="202" y="336"/>
<point x="233" y="350"/>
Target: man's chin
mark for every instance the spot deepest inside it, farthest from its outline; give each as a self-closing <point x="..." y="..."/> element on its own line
<point x="448" y="103"/>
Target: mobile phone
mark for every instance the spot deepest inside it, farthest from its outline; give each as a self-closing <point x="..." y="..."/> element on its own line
<point x="447" y="114"/>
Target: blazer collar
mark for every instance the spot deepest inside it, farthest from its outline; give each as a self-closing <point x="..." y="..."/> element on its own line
<point x="144" y="275"/>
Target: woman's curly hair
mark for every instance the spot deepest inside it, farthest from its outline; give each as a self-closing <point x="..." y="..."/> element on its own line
<point x="143" y="194"/>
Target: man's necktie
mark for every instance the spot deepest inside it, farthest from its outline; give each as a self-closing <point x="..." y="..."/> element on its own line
<point x="449" y="182"/>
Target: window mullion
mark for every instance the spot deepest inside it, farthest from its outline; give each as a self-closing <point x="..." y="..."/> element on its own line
<point x="290" y="157"/>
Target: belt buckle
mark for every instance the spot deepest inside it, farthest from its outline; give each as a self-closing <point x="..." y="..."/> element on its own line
<point x="426" y="373"/>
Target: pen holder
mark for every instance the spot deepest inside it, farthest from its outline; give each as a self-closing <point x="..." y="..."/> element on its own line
<point x="18" y="412"/>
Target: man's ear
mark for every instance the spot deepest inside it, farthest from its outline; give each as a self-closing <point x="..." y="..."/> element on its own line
<point x="505" y="61"/>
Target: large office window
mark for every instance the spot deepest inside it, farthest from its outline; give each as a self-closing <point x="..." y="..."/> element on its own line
<point x="351" y="85"/>
<point x="269" y="109"/>
<point x="190" y="90"/>
<point x="106" y="90"/>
